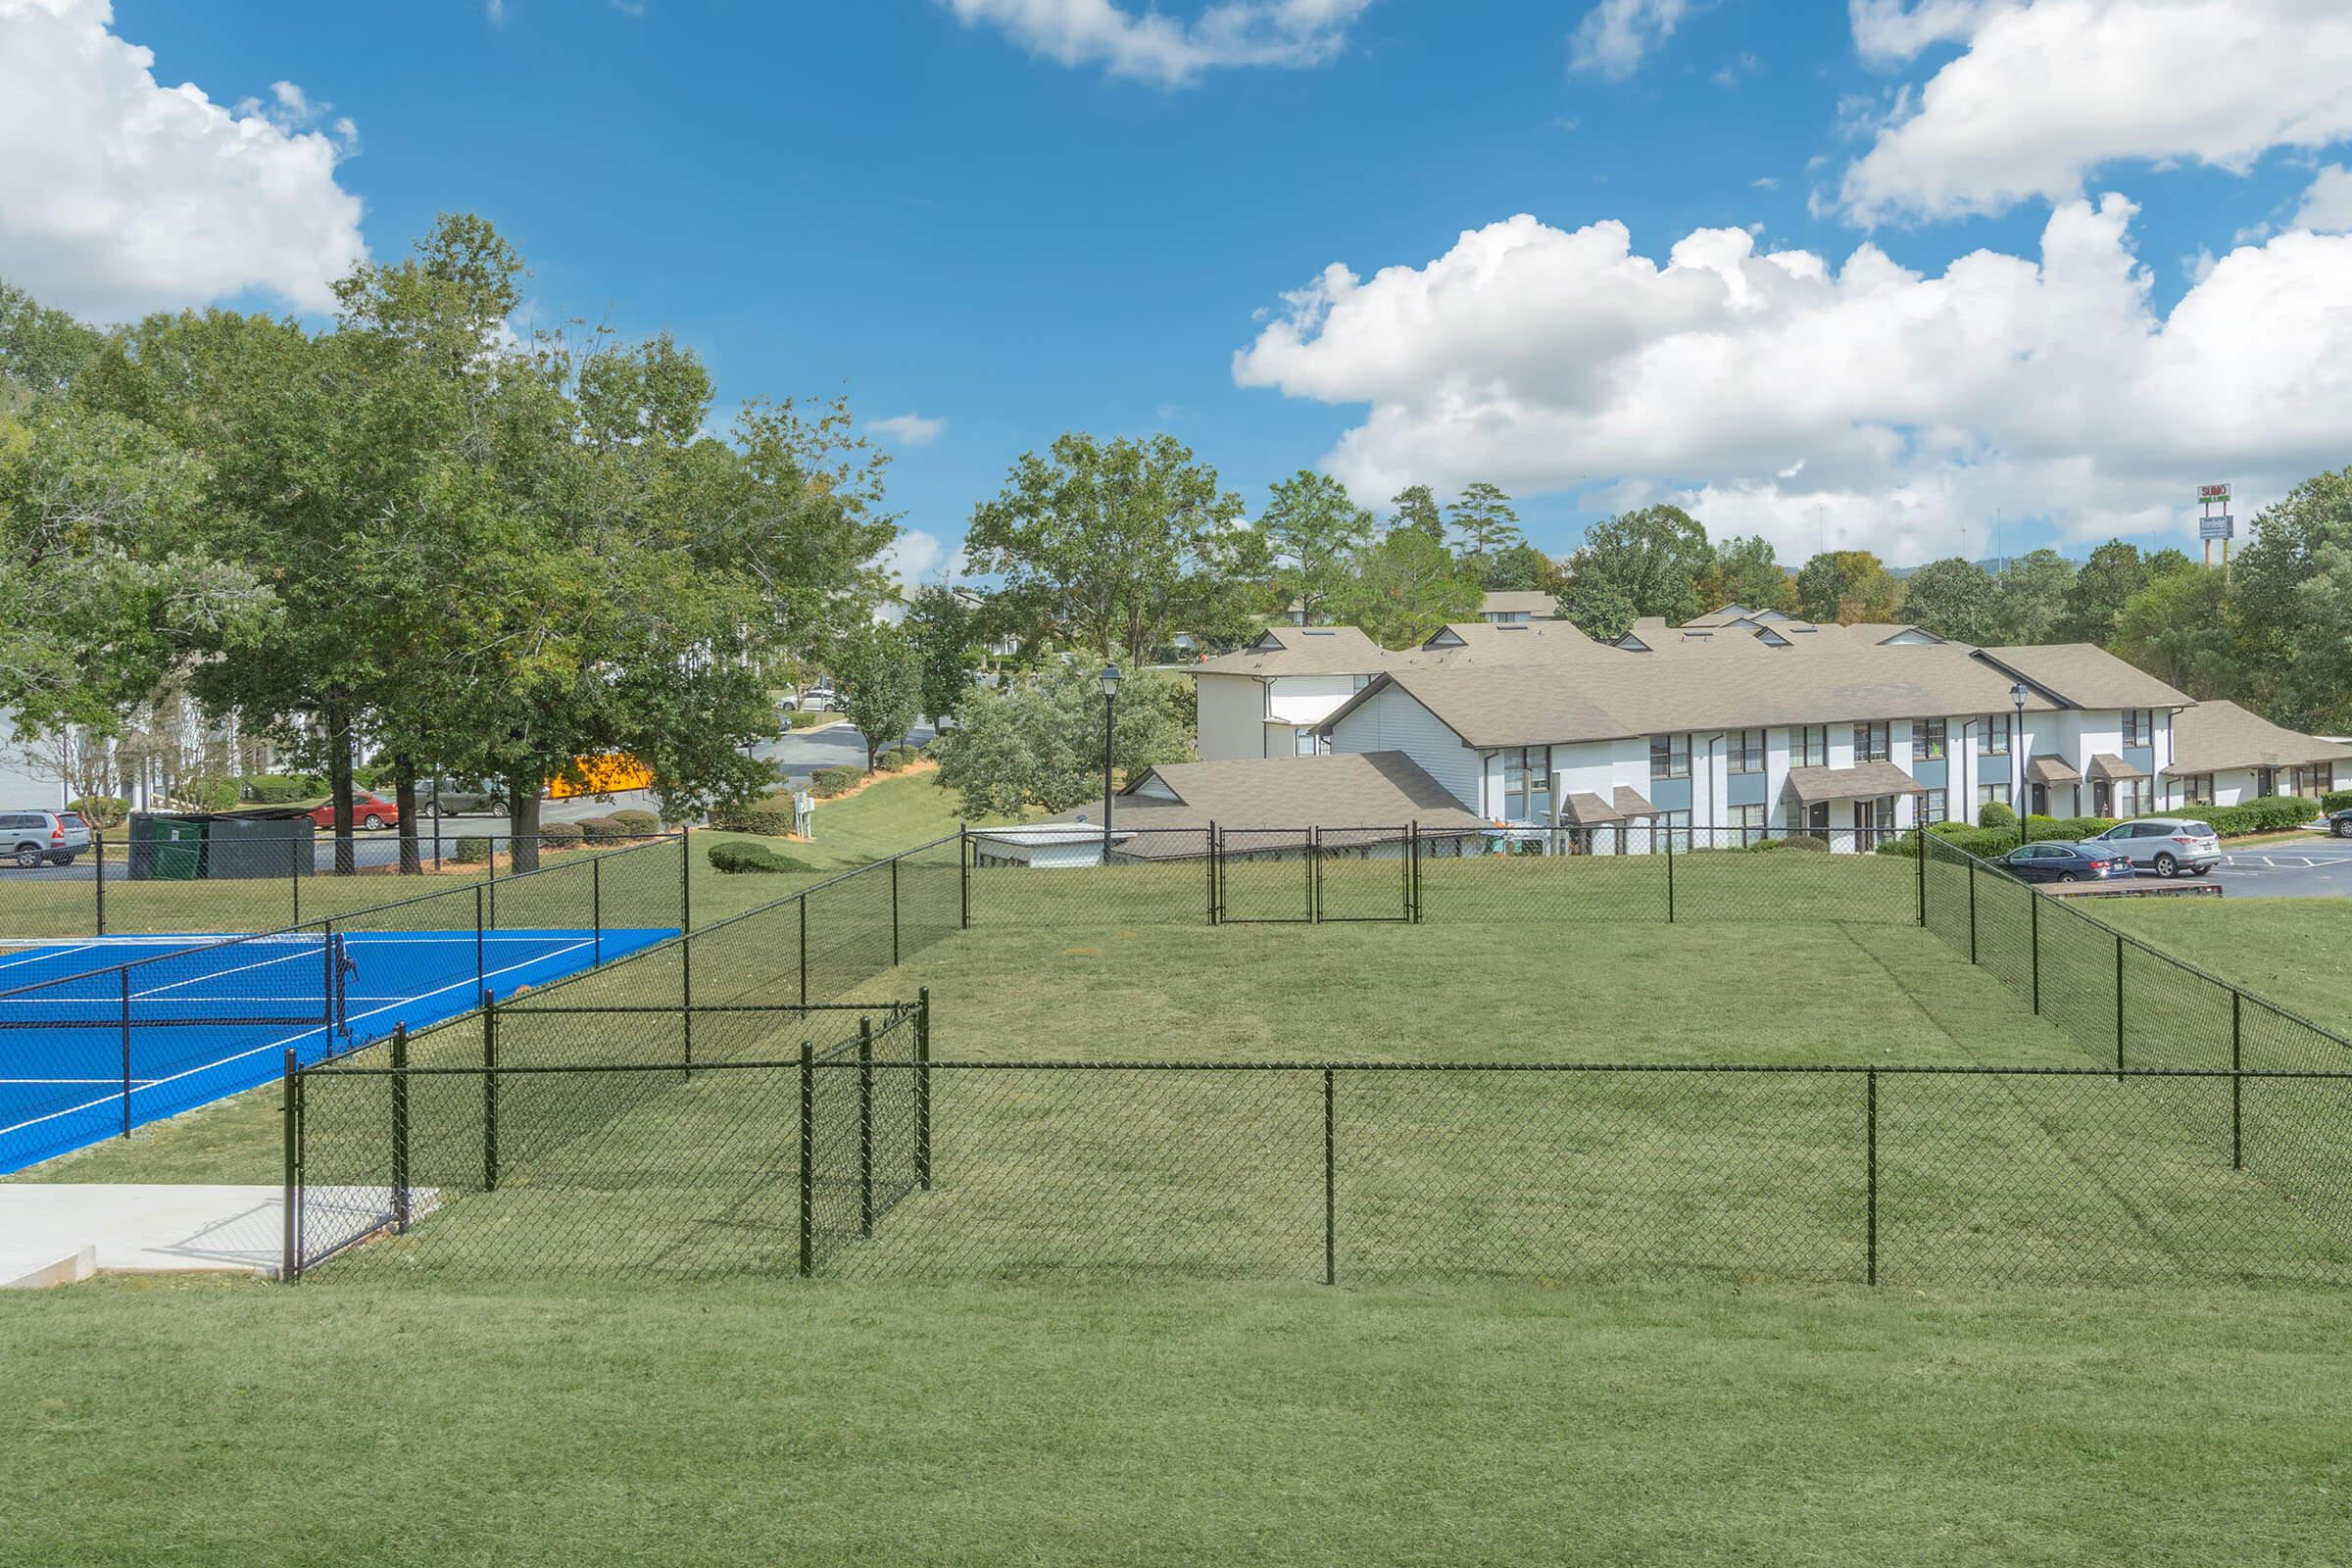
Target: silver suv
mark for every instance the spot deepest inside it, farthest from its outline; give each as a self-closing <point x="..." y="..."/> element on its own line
<point x="29" y="838"/>
<point x="2167" y="845"/>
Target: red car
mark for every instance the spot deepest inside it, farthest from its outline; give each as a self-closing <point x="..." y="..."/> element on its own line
<point x="366" y="811"/>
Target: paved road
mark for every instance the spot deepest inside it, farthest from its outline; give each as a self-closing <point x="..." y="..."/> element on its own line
<point x="2315" y="868"/>
<point x="802" y="753"/>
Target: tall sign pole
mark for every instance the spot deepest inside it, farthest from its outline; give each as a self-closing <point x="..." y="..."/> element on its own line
<point x="2214" y="520"/>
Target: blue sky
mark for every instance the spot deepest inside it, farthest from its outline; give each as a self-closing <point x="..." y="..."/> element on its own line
<point x="980" y="212"/>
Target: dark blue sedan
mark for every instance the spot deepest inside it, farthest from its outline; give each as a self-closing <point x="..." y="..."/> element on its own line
<point x="2068" y="862"/>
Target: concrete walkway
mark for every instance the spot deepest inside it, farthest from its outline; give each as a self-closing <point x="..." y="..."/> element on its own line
<point x="57" y="1232"/>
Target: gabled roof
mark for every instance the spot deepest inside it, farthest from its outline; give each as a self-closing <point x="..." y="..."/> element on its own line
<point x="1300" y="650"/>
<point x="1864" y="781"/>
<point x="1343" y="790"/>
<point x="2218" y="737"/>
<point x="1522" y="602"/>
<point x="2082" y="675"/>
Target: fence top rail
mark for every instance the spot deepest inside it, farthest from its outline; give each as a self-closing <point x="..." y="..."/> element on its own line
<point x="835" y="1059"/>
<point x="516" y="1008"/>
<point x="186" y="943"/>
<point x="2148" y="948"/>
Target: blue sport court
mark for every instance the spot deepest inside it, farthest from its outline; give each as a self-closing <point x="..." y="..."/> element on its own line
<point x="100" y="1035"/>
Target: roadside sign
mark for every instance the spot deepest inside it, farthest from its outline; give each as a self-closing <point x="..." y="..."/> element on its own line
<point x="2213" y="492"/>
<point x="2220" y="525"/>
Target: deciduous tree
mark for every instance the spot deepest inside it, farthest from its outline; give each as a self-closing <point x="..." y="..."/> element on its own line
<point x="1954" y="598"/>
<point x="1405" y="588"/>
<point x="1657" y="558"/>
<point x="1847" y="586"/>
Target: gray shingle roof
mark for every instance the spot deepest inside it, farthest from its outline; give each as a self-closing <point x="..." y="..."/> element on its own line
<point x="1529" y="602"/>
<point x="1346" y="790"/>
<point x="2086" y="676"/>
<point x="2220" y="736"/>
<point x="1300" y="650"/>
<point x="1861" y="782"/>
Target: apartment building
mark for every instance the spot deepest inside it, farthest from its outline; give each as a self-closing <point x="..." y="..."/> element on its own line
<point x="2226" y="756"/>
<point x="1763" y="728"/>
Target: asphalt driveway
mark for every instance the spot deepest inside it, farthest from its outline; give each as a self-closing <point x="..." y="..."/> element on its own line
<point x="2317" y="868"/>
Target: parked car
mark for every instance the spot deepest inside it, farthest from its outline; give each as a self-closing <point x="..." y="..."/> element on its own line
<point x="29" y="838"/>
<point x="2167" y="845"/>
<point x="2056" y="861"/>
<point x="816" y="699"/>
<point x="458" y="797"/>
<point x="2340" y="823"/>
<point x="369" y="811"/>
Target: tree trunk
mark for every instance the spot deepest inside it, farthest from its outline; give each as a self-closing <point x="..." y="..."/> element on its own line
<point x="404" y="797"/>
<point x="522" y="824"/>
<point x="338" y="778"/>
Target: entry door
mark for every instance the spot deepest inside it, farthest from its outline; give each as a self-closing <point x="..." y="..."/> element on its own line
<point x="2102" y="798"/>
<point x="2041" y="800"/>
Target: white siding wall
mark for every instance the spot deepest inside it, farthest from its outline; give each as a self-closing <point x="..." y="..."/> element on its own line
<point x="1232" y="717"/>
<point x="1392" y="721"/>
<point x="1306" y="699"/>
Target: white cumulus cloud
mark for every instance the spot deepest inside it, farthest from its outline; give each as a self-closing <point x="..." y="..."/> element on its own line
<point x="1615" y="34"/>
<point x="119" y="195"/>
<point x="915" y="557"/>
<point x="1861" y="402"/>
<point x="908" y="429"/>
<point x="2328" y="204"/>
<point x="2048" y="91"/>
<point x="1169" y="50"/>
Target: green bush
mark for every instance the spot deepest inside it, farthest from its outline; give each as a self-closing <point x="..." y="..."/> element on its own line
<point x="2335" y="801"/>
<point x="473" y="850"/>
<point x="2257" y="816"/>
<point x="2066" y="829"/>
<point x="740" y="854"/>
<point x="638" y="824"/>
<point x="561" y="835"/>
<point x="898" y="756"/>
<point x="802" y="720"/>
<point x="101" y="811"/>
<point x="1985" y="843"/>
<point x="1993" y="813"/>
<point x="601" y="830"/>
<point x="832" y="781"/>
<point x="283" y="789"/>
<point x="767" y="814"/>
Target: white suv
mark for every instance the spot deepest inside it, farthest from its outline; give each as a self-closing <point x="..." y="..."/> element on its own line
<point x="2167" y="845"/>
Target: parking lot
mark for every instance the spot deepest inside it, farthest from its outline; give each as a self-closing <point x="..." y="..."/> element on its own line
<point x="2317" y="868"/>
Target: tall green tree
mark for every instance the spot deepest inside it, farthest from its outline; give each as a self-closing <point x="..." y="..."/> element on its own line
<point x="1657" y="558"/>
<point x="1954" y="598"/>
<point x="881" y="684"/>
<point x="2033" y="597"/>
<point x="1312" y="530"/>
<point x="1747" y="571"/>
<point x="945" y="634"/>
<point x="1038" y="743"/>
<point x="1417" y="509"/>
<point x="2111" y="576"/>
<point x="1117" y="546"/>
<point x="1483" y="521"/>
<point x="41" y="349"/>
<point x="1847" y="586"/>
<point x="1405" y="588"/>
<point x="1523" y="568"/>
<point x="2182" y="629"/>
<point x="2285" y="579"/>
<point x="1598" y="607"/>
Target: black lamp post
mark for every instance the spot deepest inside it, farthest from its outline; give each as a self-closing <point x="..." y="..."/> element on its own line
<point x="1110" y="698"/>
<point x="2017" y="744"/>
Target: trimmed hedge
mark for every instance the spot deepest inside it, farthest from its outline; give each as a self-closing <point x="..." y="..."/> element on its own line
<point x="831" y="781"/>
<point x="2066" y="829"/>
<point x="732" y="855"/>
<point x="2257" y="816"/>
<point x="601" y="830"/>
<point x="770" y="815"/>
<point x="283" y="789"/>
<point x="801" y="720"/>
<point x="561" y="836"/>
<point x="2335" y="801"/>
<point x="637" y="824"/>
<point x="101" y="811"/>
<point x="1799" y="842"/>
<point x="898" y="756"/>
<point x="1993" y="813"/>
<point x="473" y="850"/>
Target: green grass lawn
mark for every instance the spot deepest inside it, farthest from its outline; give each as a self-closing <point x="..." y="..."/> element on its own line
<point x="2296" y="951"/>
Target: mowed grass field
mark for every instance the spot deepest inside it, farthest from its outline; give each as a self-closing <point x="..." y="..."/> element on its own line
<point x="1061" y="1397"/>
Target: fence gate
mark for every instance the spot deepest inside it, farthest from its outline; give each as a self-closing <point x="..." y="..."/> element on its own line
<point x="1303" y="875"/>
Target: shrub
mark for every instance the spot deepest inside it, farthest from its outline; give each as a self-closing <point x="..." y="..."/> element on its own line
<point x="832" y="781"/>
<point x="1807" y="843"/>
<point x="601" y="830"/>
<point x="805" y="720"/>
<point x="283" y="789"/>
<point x="898" y="756"/>
<point x="2335" y="801"/>
<point x="739" y="854"/>
<point x="2066" y="828"/>
<point x="101" y="811"/>
<point x="473" y="850"/>
<point x="559" y="835"/>
<point x="1993" y="813"/>
<point x="638" y="824"/>
<point x="2257" y="816"/>
<point x="767" y="814"/>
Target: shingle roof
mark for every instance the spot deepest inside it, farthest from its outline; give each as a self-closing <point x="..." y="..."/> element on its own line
<point x="1363" y="789"/>
<point x="1862" y="781"/>
<point x="2107" y="767"/>
<point x="2219" y="736"/>
<point x="2086" y="676"/>
<point x="1531" y="602"/>
<point x="1300" y="650"/>
<point x="2051" y="769"/>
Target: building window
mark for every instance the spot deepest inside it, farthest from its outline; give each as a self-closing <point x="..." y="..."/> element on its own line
<point x="2139" y="726"/>
<point x="1933" y="807"/>
<point x="1874" y="820"/>
<point x="1927" y="739"/>
<point x="1748" y="824"/>
<point x="2127" y="797"/>
<point x="1812" y="745"/>
<point x="1747" y="751"/>
<point x="1678" y="831"/>
<point x="1986" y="793"/>
<point x="1527" y="784"/>
<point x="1669" y="756"/>
<point x="2196" y="789"/>
<point x="1304" y="742"/>
<point x="1995" y="740"/>
<point x="1362" y="681"/>
<point x="1870" y="743"/>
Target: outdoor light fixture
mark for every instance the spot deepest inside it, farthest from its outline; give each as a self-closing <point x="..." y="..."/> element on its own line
<point x="1110" y="698"/>
<point x="2017" y="742"/>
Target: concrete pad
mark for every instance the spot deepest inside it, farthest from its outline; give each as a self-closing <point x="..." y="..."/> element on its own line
<point x="135" y="1230"/>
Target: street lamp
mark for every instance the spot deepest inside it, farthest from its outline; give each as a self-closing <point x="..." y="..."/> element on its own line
<point x="1110" y="698"/>
<point x="2017" y="742"/>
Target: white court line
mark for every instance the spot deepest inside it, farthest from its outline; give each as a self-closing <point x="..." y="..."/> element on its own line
<point x="279" y="1045"/>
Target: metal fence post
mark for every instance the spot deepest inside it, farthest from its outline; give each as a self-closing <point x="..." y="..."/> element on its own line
<point x="596" y="909"/>
<point x="1921" y="829"/>
<point x="288" y="1261"/>
<point x="893" y="910"/>
<point x="1314" y="876"/>
<point x="865" y="1126"/>
<point x="490" y="1093"/>
<point x="1972" y="910"/>
<point x="1212" y="873"/>
<point x="1871" y="1092"/>
<point x="2033" y="935"/>
<point x="481" y="974"/>
<point x="1412" y="875"/>
<point x="1669" y="872"/>
<point x="922" y="1088"/>
<point x="400" y="1127"/>
<point x="98" y="866"/>
<point x="2119" y="1006"/>
<point x="124" y="975"/>
<point x="1331" y="1246"/>
<point x="491" y="881"/>
<point x="807" y="1158"/>
<point x="804" y="903"/>
<point x="685" y="882"/>
<point x="2238" y="1083"/>
<point x="964" y="871"/>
